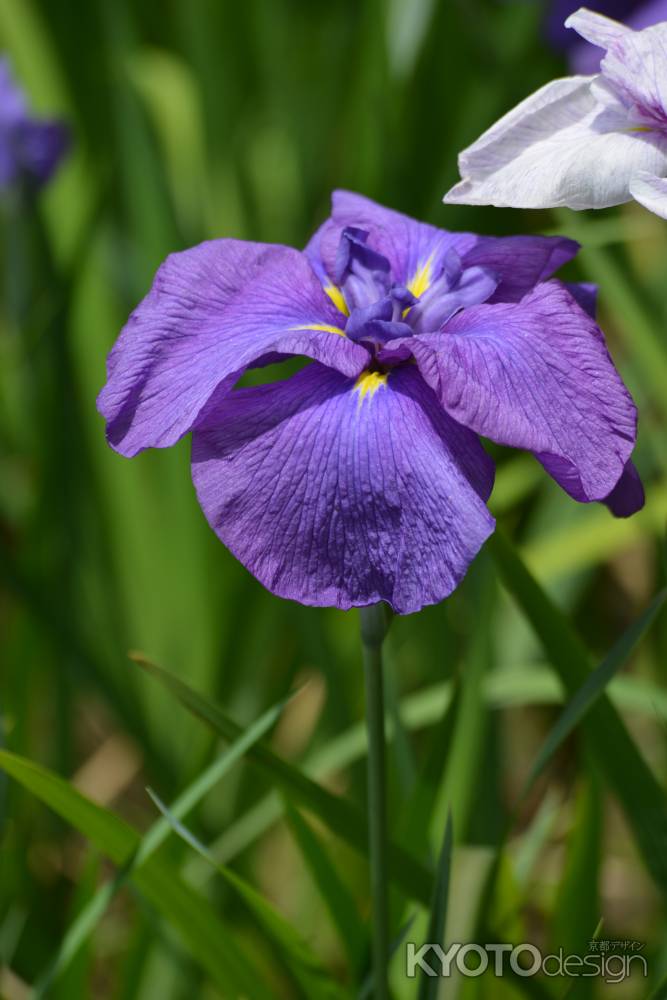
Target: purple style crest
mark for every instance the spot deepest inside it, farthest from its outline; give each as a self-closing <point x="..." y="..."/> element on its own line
<point x="362" y="477"/>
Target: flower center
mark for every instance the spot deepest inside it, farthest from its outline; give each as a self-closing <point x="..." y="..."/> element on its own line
<point x="382" y="310"/>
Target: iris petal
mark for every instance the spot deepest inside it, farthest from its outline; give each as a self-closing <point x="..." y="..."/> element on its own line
<point x="651" y="192"/>
<point x="212" y="312"/>
<point x="332" y="495"/>
<point x="556" y="149"/>
<point x="536" y="375"/>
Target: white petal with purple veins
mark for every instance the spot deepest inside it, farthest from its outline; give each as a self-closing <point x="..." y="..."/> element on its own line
<point x="554" y="150"/>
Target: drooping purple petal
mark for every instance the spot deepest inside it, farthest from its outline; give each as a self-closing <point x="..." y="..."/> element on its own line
<point x="211" y="313"/>
<point x="536" y="375"/>
<point x="336" y="493"/>
<point x="627" y="497"/>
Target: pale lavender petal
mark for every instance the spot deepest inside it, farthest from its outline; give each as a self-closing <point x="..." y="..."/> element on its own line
<point x="557" y="148"/>
<point x="586" y="58"/>
<point x="536" y="375"/>
<point x="211" y="313"/>
<point x="596" y="28"/>
<point x="651" y="192"/>
<point x="636" y="66"/>
<point x="332" y="493"/>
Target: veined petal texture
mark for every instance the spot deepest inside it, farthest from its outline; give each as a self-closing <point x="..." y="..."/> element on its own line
<point x="336" y="492"/>
<point x="212" y="312"/>
<point x="536" y="375"/>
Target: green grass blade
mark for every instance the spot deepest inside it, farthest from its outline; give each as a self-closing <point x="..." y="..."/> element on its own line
<point x="88" y="918"/>
<point x="209" y="941"/>
<point x="336" y="895"/>
<point x="428" y="985"/>
<point x="339" y="815"/>
<point x="660" y="992"/>
<point x="620" y="762"/>
<point x="532" y="684"/>
<point x="418" y="811"/>
<point x="593" y="687"/>
<point x="292" y="949"/>
<point x="367" y="987"/>
<point x="577" y="905"/>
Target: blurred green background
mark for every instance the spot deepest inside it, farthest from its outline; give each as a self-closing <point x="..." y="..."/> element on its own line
<point x="195" y="119"/>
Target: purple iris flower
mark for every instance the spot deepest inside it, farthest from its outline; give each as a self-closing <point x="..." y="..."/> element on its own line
<point x="362" y="477"/>
<point x="30" y="148"/>
<point x="637" y="14"/>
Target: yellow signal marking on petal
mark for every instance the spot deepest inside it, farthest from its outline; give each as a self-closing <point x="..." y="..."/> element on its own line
<point x="368" y="384"/>
<point x="421" y="279"/>
<point x="336" y="297"/>
<point x="320" y="326"/>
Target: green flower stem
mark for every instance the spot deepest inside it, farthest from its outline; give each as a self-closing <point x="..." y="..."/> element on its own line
<point x="374" y="625"/>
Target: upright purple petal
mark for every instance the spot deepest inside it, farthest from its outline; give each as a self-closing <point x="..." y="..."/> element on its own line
<point x="520" y="262"/>
<point x="414" y="249"/>
<point x="417" y="252"/>
<point x="536" y="375"/>
<point x="212" y="312"/>
<point x="339" y="493"/>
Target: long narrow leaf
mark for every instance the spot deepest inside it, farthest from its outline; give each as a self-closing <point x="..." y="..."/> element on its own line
<point x="90" y="915"/>
<point x="428" y="985"/>
<point x="340" y="816"/>
<point x="293" y="950"/>
<point x="594" y="685"/>
<point x="620" y="762"/>
<point x="208" y="940"/>
<point x="337" y="897"/>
